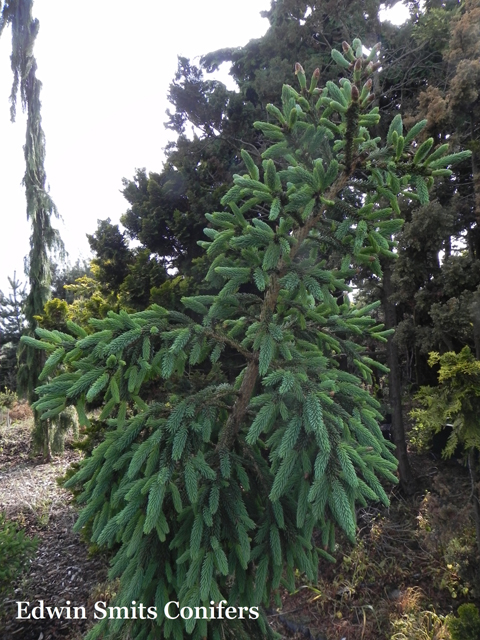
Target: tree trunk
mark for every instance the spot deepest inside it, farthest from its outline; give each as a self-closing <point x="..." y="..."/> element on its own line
<point x="47" y="451"/>
<point x="472" y="464"/>
<point x="472" y="454"/>
<point x="475" y="169"/>
<point x="407" y="480"/>
<point x="476" y="323"/>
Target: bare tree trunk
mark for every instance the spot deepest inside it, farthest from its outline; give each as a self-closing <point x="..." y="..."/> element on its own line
<point x="475" y="169"/>
<point x="472" y="454"/>
<point x="47" y="451"/>
<point x="476" y="323"/>
<point x="407" y="480"/>
<point x="472" y="467"/>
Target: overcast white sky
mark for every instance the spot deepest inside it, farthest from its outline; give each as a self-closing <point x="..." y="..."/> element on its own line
<point x="105" y="74"/>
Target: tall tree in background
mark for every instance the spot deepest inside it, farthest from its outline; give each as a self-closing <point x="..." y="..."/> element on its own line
<point x="464" y="91"/>
<point x="40" y="207"/>
<point x="437" y="275"/>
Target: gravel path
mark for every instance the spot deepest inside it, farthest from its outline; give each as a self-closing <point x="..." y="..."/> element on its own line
<point x="61" y="568"/>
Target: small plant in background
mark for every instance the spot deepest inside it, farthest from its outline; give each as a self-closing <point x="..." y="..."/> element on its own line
<point x="467" y="625"/>
<point x="456" y="401"/>
<point x="15" y="549"/>
<point x="422" y="625"/>
<point x="416" y="622"/>
<point x="8" y="398"/>
<point x="12" y="321"/>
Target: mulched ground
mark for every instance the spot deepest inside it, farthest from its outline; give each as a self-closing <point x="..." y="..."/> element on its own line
<point x="402" y="568"/>
<point x="61" y="568"/>
<point x="398" y="570"/>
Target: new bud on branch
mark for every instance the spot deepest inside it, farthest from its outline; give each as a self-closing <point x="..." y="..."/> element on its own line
<point x="300" y="73"/>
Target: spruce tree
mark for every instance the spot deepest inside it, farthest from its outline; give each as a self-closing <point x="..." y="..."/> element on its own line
<point x="12" y="325"/>
<point x="166" y="209"/>
<point x="12" y="318"/>
<point x="233" y="433"/>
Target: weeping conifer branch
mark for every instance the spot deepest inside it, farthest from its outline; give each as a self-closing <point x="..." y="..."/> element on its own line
<point x="40" y="207"/>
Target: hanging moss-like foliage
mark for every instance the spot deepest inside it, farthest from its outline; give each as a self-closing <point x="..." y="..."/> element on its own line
<point x="40" y="206"/>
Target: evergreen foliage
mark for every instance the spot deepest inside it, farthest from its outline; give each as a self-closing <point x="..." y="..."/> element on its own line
<point x="434" y="297"/>
<point x="233" y="431"/>
<point x="114" y="257"/>
<point x="124" y="276"/>
<point x="467" y="625"/>
<point x="12" y="322"/>
<point x="40" y="206"/>
<point x="455" y="401"/>
<point x="15" y="548"/>
<point x="67" y="274"/>
<point x="166" y="209"/>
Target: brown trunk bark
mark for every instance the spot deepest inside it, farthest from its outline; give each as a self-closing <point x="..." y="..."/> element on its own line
<point x="229" y="432"/>
<point x="47" y="452"/>
<point x="407" y="480"/>
<point x="475" y="170"/>
<point x="472" y="464"/>
<point x="476" y="323"/>
<point x="472" y="454"/>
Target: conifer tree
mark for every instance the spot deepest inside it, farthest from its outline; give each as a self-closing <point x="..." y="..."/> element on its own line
<point x="40" y="206"/>
<point x="456" y="400"/>
<point x="233" y="433"/>
<point x="12" y="321"/>
<point x="166" y="209"/>
<point x="11" y="312"/>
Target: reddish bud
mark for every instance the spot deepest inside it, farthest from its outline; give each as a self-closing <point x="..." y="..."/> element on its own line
<point x="298" y="68"/>
<point x="358" y="64"/>
<point x="316" y="74"/>
<point x="355" y="93"/>
<point x="368" y="84"/>
<point x="345" y="46"/>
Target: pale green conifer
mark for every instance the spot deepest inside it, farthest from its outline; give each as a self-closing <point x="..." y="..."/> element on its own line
<point x="234" y="435"/>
